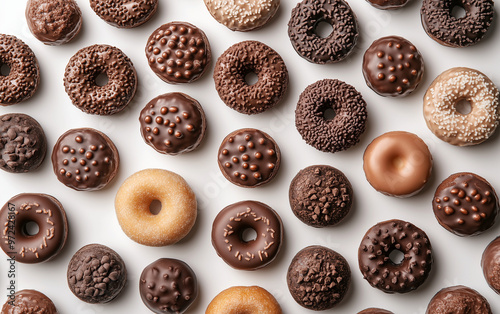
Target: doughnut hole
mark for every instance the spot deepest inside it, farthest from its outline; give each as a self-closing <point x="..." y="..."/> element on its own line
<point x="251" y="78"/>
<point x="101" y="79"/>
<point x="31" y="228"/>
<point x="463" y="106"/>
<point x="323" y="28"/>
<point x="329" y="114"/>
<point x="4" y="69"/>
<point x="248" y="234"/>
<point x="396" y="257"/>
<point x="458" y="12"/>
<point x="398" y="163"/>
<point x="155" y="207"/>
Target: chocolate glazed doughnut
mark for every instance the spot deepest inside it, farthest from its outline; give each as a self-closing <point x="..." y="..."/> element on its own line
<point x="124" y="13"/>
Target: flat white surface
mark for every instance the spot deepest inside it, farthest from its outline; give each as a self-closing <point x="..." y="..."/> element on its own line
<point x="91" y="214"/>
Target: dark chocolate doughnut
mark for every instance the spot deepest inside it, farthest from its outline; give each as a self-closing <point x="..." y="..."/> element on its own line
<point x="383" y="273"/>
<point x="444" y="28"/>
<point x="458" y="300"/>
<point x="124" y="13"/>
<point x="250" y="57"/>
<point x="490" y="263"/>
<point x="227" y="235"/>
<point x="388" y="4"/>
<point x="334" y="48"/>
<point x="29" y="301"/>
<point x="374" y="310"/>
<point x="24" y="75"/>
<point x="83" y="90"/>
<point x="339" y="133"/>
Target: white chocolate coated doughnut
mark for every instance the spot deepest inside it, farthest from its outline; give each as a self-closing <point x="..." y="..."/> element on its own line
<point x="248" y="300"/>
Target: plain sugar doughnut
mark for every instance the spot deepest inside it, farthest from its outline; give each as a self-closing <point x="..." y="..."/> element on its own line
<point x="248" y="300"/>
<point x="178" y="207"/>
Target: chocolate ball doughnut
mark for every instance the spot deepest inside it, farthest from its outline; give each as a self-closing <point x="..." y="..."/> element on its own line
<point x="381" y="271"/>
<point x="490" y="263"/>
<point x="320" y="196"/>
<point x="335" y="47"/>
<point x="168" y="286"/>
<point x="318" y="278"/>
<point x="388" y="4"/>
<point x="250" y="57"/>
<point x="23" y="145"/>
<point x="24" y="74"/>
<point x="248" y="300"/>
<point x="465" y="204"/>
<point x="86" y="93"/>
<point x="448" y="30"/>
<point x="124" y="13"/>
<point x="373" y="310"/>
<point x="43" y="210"/>
<point x="53" y="22"/>
<point x="29" y="301"/>
<point x="458" y="300"/>
<point x="339" y="133"/>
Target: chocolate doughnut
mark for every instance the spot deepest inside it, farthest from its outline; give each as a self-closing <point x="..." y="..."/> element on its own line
<point x="318" y="278"/>
<point x="124" y="13"/>
<point x="465" y="204"/>
<point x="29" y="301"/>
<point x="490" y="263"/>
<point x="392" y="66"/>
<point x="178" y="52"/>
<point x="249" y="158"/>
<point x="23" y="145"/>
<point x="388" y="4"/>
<point x="320" y="196"/>
<point x="302" y="27"/>
<point x="381" y="271"/>
<point x="444" y="28"/>
<point x="339" y="133"/>
<point x="85" y="159"/>
<point x="458" y="300"/>
<point x="233" y="221"/>
<point x="250" y="57"/>
<point x="373" y="310"/>
<point x="53" y="22"/>
<point x="83" y="89"/>
<point x="43" y="210"/>
<point x="24" y="75"/>
<point x="168" y="286"/>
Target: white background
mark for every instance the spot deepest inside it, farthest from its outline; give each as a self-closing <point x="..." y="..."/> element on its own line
<point x="92" y="217"/>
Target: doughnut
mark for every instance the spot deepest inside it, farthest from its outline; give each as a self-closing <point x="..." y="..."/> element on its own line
<point x="23" y="75"/>
<point x="490" y="263"/>
<point x="29" y="301"/>
<point x="302" y="30"/>
<point x="175" y="218"/>
<point x="339" y="133"/>
<point x="85" y="159"/>
<point x="124" y="13"/>
<point x="448" y="30"/>
<point x="53" y="22"/>
<point x="440" y="107"/>
<point x="458" y="300"/>
<point x="229" y="227"/>
<point x="242" y="16"/>
<point x="388" y="5"/>
<point x="392" y="66"/>
<point x="178" y="52"/>
<point x="376" y="265"/>
<point x="96" y="274"/>
<point x="250" y="57"/>
<point x="23" y="144"/>
<point x="320" y="196"/>
<point x="373" y="310"/>
<point x="248" y="300"/>
<point x="41" y="209"/>
<point x="86" y="93"/>
<point x="465" y="204"/>
<point x="397" y="164"/>
<point x="318" y="278"/>
<point x="173" y="123"/>
<point x="249" y="158"/>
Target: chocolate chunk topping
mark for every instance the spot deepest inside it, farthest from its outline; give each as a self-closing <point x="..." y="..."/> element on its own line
<point x="124" y="13"/>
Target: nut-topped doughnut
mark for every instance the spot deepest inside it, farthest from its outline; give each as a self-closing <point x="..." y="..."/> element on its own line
<point x="248" y="300"/>
<point x="29" y="301"/>
<point x="388" y="4"/>
<point x="124" y="13"/>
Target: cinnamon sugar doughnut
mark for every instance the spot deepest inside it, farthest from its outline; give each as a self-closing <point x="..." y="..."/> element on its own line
<point x="248" y="300"/>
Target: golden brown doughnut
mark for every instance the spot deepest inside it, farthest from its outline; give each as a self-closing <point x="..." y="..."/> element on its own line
<point x="248" y="300"/>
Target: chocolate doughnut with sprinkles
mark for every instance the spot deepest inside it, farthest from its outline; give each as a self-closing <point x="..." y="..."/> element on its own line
<point x="124" y="13"/>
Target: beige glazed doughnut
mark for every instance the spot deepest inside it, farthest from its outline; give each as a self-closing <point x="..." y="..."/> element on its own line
<point x="175" y="218"/>
<point x="248" y="300"/>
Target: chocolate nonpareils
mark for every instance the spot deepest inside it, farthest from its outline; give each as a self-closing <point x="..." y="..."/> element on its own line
<point x="124" y="13"/>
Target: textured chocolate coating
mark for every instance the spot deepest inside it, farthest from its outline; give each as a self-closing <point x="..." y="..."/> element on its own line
<point x="24" y="75"/>
<point x="334" y="48"/>
<point x="80" y="80"/>
<point x="250" y="57"/>
<point x="339" y="133"/>
<point x="465" y="204"/>
<point x="53" y="22"/>
<point x="458" y="300"/>
<point x="490" y="263"/>
<point x="249" y="158"/>
<point x="168" y="286"/>
<point x="85" y="159"/>
<point x="47" y="213"/>
<point x="450" y="31"/>
<point x="124" y="13"/>
<point x="96" y="274"/>
<point x="23" y="145"/>
<point x="388" y="4"/>
<point x="178" y="52"/>
<point x="30" y="302"/>
<point x="377" y="267"/>
<point x="373" y="310"/>
<point x="320" y="196"/>
<point x="227" y="235"/>
<point x="392" y="66"/>
<point x="318" y="278"/>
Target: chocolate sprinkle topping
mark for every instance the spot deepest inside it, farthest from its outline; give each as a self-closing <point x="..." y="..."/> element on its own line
<point x="124" y="13"/>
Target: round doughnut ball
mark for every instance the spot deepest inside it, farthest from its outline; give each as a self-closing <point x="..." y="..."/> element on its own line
<point x="133" y="205"/>
<point x="344" y="129"/>
<point x="248" y="300"/>
<point x="388" y="4"/>
<point x="447" y="91"/>
<point x="373" y="310"/>
<point x="458" y="300"/>
<point x="21" y="81"/>
<point x="490" y="263"/>
<point x="29" y="301"/>
<point x="124" y="13"/>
